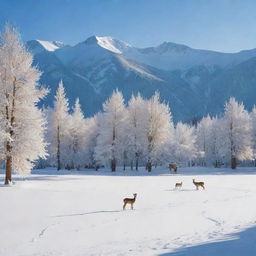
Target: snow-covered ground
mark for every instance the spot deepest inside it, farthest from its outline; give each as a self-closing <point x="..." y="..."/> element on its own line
<point x="80" y="213"/>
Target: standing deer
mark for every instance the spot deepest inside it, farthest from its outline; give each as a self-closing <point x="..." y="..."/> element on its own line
<point x="130" y="201"/>
<point x="178" y="185"/>
<point x="198" y="184"/>
<point x="174" y="167"/>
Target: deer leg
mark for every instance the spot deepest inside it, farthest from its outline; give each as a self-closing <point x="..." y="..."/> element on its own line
<point x="124" y="206"/>
<point x="132" y="206"/>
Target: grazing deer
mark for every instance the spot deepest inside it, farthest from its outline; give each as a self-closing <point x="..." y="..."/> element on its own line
<point x="174" y="167"/>
<point x="178" y="185"/>
<point x="130" y="201"/>
<point x="198" y="184"/>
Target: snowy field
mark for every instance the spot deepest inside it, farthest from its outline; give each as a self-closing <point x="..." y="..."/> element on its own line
<point x="80" y="213"/>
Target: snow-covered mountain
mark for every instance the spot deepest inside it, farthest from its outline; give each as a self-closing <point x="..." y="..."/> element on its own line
<point x="192" y="81"/>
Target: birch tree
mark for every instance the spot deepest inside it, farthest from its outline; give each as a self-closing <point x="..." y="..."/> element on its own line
<point x="22" y="123"/>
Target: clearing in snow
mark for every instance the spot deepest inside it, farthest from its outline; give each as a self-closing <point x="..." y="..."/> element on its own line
<point x="80" y="213"/>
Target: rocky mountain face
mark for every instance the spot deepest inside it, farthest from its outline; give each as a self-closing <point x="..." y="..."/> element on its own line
<point x="193" y="82"/>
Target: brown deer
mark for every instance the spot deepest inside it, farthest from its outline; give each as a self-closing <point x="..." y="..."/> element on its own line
<point x="178" y="185"/>
<point x="130" y="201"/>
<point x="198" y="184"/>
<point x="174" y="167"/>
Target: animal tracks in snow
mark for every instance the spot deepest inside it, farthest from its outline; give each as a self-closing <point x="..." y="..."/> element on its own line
<point x="42" y="233"/>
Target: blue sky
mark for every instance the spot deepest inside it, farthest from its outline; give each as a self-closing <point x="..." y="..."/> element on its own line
<point x="223" y="25"/>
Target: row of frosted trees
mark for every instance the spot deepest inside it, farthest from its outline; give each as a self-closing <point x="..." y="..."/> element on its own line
<point x="228" y="139"/>
<point x="142" y="133"/>
<point x="139" y="133"/>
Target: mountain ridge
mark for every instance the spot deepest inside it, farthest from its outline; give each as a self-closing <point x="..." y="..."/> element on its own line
<point x="187" y="78"/>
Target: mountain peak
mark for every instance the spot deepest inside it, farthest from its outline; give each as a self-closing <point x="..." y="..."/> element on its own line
<point x="171" y="47"/>
<point x="107" y="42"/>
<point x="91" y="40"/>
<point x="37" y="46"/>
<point x="50" y="46"/>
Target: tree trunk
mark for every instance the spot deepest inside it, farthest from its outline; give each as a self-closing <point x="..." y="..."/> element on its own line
<point x="113" y="165"/>
<point x="10" y="116"/>
<point x="8" y="170"/>
<point x="124" y="166"/>
<point x="137" y="161"/>
<point x="149" y="166"/>
<point x="58" y="149"/>
<point x="137" y="165"/>
<point x="131" y="165"/>
<point x="233" y="162"/>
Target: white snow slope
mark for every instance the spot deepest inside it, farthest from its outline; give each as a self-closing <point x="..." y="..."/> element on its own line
<point x="71" y="213"/>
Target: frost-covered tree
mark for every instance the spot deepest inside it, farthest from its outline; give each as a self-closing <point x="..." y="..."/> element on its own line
<point x="159" y="131"/>
<point x="111" y="124"/>
<point x="215" y="153"/>
<point x="185" y="143"/>
<point x="76" y="141"/>
<point x="236" y="133"/>
<point x="203" y="139"/>
<point x="253" y="119"/>
<point x="90" y="136"/>
<point x="22" y="123"/>
<point x="59" y="127"/>
<point x="136" y="127"/>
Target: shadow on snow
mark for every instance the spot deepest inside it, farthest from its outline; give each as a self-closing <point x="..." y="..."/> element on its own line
<point x="84" y="213"/>
<point x="238" y="244"/>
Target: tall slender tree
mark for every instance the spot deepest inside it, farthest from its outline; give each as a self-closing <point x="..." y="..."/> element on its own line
<point x="22" y="123"/>
<point x="59" y="127"/>
<point x="77" y="137"/>
<point x="216" y="143"/>
<point x="203" y="131"/>
<point x="136" y="121"/>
